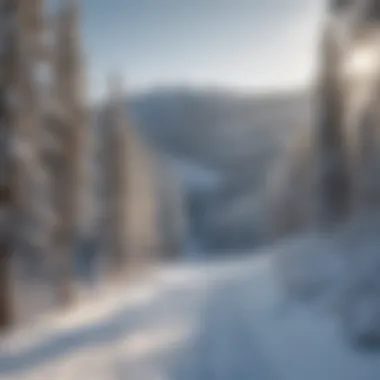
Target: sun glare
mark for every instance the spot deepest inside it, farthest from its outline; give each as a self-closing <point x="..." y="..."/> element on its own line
<point x="361" y="62"/>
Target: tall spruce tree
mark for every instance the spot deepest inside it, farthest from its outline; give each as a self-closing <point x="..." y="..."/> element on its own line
<point x="19" y="122"/>
<point x="333" y="185"/>
<point x="115" y="162"/>
<point x="72" y="120"/>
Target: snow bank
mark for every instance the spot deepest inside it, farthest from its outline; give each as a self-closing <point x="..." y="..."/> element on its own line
<point x="310" y="267"/>
<point x="217" y="320"/>
<point x="340" y="271"/>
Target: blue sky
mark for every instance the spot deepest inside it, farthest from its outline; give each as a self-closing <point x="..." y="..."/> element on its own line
<point x="252" y="45"/>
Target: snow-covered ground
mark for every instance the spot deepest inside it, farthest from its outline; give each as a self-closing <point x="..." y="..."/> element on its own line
<point x="191" y="321"/>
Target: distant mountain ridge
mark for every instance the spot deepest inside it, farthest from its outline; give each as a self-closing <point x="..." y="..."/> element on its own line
<point x="218" y="129"/>
<point x="236" y="137"/>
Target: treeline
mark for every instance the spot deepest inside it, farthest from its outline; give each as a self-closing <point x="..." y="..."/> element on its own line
<point x="60" y="180"/>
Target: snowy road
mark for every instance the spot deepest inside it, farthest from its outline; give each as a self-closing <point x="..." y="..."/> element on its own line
<point x="204" y="321"/>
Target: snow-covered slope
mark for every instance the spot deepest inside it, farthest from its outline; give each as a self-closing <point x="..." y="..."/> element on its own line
<point x="212" y="320"/>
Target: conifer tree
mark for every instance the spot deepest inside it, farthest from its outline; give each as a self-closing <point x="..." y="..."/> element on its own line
<point x="115" y="170"/>
<point x="72" y="120"/>
<point x="19" y="34"/>
<point x="333" y="185"/>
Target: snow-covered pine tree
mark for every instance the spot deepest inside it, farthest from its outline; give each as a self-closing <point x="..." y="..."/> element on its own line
<point x="115" y="169"/>
<point x="72" y="120"/>
<point x="19" y="34"/>
<point x="36" y="236"/>
<point x="8" y="12"/>
<point x="333" y="184"/>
